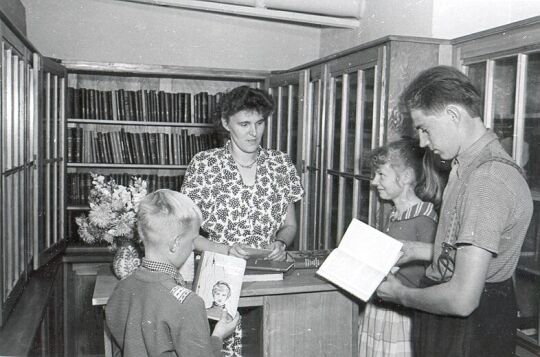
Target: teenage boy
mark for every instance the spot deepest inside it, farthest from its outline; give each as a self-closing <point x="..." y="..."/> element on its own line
<point x="467" y="305"/>
<point x="150" y="313"/>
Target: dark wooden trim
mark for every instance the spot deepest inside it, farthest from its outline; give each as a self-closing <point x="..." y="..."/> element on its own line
<point x="496" y="30"/>
<point x="151" y="70"/>
<point x="79" y="253"/>
<point x="20" y="34"/>
<point x="51" y="252"/>
<point x="23" y="325"/>
<point x="366" y="45"/>
<point x="15" y="11"/>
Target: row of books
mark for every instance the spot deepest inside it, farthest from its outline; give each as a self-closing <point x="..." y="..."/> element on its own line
<point x="142" y="105"/>
<point x="80" y="184"/>
<point x="122" y="147"/>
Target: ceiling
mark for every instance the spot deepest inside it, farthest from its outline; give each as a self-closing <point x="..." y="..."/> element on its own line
<point x="322" y="13"/>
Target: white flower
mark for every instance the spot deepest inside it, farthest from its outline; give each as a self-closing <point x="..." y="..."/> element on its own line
<point x="113" y="210"/>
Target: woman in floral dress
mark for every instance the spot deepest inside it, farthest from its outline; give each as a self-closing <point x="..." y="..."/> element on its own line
<point x="245" y="192"/>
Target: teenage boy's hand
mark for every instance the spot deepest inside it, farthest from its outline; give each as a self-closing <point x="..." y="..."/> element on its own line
<point x="225" y="327"/>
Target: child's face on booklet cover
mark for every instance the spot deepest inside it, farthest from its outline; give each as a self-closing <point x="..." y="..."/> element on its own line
<point x="221" y="294"/>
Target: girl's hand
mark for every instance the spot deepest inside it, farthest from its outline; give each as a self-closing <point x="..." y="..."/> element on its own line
<point x="389" y="289"/>
<point x="278" y="251"/>
<point x="414" y="251"/>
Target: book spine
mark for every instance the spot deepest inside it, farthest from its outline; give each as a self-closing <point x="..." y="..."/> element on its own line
<point x="308" y="263"/>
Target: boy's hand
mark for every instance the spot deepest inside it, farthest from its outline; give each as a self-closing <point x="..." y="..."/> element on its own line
<point x="278" y="251"/>
<point x="225" y="326"/>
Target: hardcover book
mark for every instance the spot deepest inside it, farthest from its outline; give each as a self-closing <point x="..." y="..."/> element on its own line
<point x="218" y="281"/>
<point x="268" y="265"/>
<point x="362" y="260"/>
<point x="308" y="259"/>
<point x="262" y="275"/>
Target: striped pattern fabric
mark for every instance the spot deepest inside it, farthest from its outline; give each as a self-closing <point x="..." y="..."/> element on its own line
<point x="486" y="203"/>
<point x="421" y="209"/>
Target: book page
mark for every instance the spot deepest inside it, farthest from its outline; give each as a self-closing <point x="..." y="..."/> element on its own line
<point x="350" y="274"/>
<point x="370" y="246"/>
<point x="362" y="260"/>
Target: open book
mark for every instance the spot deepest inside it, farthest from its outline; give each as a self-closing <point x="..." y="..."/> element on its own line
<point x="363" y="259"/>
<point x="218" y="281"/>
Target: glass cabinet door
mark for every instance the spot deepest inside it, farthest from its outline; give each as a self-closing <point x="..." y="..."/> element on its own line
<point x="313" y="137"/>
<point x="282" y="129"/>
<point x="510" y="87"/>
<point x="347" y="179"/>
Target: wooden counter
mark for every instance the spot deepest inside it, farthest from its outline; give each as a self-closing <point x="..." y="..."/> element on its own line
<point x="299" y="316"/>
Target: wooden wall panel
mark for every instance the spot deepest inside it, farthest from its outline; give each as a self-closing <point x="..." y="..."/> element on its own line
<point x="312" y="324"/>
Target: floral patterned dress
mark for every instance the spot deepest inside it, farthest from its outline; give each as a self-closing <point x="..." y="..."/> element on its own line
<point x="234" y="212"/>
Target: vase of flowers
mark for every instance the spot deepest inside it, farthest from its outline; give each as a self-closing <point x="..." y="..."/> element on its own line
<point x="112" y="219"/>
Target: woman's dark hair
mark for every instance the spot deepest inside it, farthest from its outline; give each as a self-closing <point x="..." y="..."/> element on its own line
<point x="246" y="98"/>
<point x="439" y="86"/>
<point x="407" y="153"/>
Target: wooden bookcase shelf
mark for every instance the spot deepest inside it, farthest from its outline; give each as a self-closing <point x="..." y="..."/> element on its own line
<point x="78" y="208"/>
<point x="115" y="77"/>
<point x="139" y="145"/>
<point x="124" y="166"/>
<point x="73" y="122"/>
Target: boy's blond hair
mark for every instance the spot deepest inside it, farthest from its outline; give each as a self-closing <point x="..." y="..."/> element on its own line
<point x="163" y="214"/>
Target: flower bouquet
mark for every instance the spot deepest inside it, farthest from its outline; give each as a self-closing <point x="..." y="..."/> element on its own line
<point x="113" y="210"/>
<point x="112" y="219"/>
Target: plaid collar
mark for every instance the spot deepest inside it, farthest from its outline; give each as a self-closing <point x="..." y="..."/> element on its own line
<point x="166" y="268"/>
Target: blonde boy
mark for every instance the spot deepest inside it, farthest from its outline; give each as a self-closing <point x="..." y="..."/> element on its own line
<point x="151" y="313"/>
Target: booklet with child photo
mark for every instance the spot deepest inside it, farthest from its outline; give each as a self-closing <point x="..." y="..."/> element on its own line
<point x="362" y="260"/>
<point x="218" y="281"/>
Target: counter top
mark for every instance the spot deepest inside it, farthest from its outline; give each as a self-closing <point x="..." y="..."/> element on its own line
<point x="297" y="281"/>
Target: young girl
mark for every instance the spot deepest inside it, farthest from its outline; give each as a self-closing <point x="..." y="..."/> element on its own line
<point x="406" y="176"/>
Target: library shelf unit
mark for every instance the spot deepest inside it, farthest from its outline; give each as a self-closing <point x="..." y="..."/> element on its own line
<point x="143" y="120"/>
<point x="83" y="329"/>
<point x="330" y="114"/>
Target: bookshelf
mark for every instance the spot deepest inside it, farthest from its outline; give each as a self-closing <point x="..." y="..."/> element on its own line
<point x="144" y="120"/>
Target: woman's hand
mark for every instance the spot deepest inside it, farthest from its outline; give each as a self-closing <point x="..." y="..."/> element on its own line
<point x="225" y="326"/>
<point x="278" y="251"/>
<point x="236" y="251"/>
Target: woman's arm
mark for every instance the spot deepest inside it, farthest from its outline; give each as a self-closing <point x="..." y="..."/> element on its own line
<point x="236" y="250"/>
<point x="202" y="243"/>
<point x="284" y="236"/>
